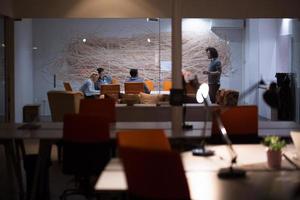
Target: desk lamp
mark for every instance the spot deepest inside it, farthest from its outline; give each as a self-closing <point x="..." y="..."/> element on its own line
<point x="201" y="95"/>
<point x="229" y="172"/>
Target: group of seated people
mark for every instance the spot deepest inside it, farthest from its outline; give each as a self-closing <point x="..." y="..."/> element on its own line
<point x="91" y="86"/>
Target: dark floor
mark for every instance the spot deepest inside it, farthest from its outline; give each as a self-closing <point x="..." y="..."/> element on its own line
<point x="58" y="181"/>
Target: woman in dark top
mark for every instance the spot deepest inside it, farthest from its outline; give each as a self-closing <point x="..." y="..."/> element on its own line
<point x="214" y="72"/>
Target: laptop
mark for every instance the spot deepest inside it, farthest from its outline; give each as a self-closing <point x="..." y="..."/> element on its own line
<point x="296" y="140"/>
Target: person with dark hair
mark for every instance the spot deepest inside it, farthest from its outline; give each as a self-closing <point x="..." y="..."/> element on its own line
<point x="103" y="79"/>
<point x="135" y="78"/>
<point x="214" y="72"/>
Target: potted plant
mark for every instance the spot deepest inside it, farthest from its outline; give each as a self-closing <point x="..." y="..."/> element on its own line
<point x="274" y="144"/>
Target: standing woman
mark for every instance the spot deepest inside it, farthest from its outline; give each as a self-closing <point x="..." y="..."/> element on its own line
<point x="214" y="72"/>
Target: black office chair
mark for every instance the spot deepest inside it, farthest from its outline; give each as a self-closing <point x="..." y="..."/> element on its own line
<point x="87" y="150"/>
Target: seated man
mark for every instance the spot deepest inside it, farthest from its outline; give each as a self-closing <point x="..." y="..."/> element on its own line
<point x="88" y="87"/>
<point x="103" y="79"/>
<point x="134" y="78"/>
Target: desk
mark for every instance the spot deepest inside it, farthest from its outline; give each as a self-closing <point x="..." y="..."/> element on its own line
<point x="201" y="173"/>
<point x="49" y="133"/>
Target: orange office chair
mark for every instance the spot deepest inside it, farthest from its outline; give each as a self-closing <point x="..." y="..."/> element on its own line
<point x="133" y="88"/>
<point x="144" y="139"/>
<point x="87" y="150"/>
<point x="150" y="85"/>
<point x="114" y="81"/>
<point x="68" y="87"/>
<point x="240" y="122"/>
<point x="111" y="91"/>
<point x="154" y="174"/>
<point x="102" y="107"/>
<point x="167" y="85"/>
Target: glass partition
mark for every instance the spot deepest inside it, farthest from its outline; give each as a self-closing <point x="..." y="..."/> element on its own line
<point x="68" y="50"/>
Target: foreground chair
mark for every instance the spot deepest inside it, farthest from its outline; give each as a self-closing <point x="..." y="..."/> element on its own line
<point x="102" y="107"/>
<point x="87" y="150"/>
<point x="144" y="139"/>
<point x="241" y="123"/>
<point x="154" y="174"/>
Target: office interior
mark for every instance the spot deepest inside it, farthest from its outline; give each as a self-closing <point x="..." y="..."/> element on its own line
<point x="49" y="52"/>
<point x="43" y="46"/>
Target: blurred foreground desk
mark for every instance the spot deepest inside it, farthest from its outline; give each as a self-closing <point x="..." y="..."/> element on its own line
<point x="261" y="182"/>
<point x="49" y="133"/>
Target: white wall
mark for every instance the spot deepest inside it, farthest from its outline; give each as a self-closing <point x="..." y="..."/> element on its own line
<point x="268" y="58"/>
<point x="23" y="67"/>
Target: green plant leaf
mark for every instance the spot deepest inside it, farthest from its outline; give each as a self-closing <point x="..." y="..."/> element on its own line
<point x="274" y="143"/>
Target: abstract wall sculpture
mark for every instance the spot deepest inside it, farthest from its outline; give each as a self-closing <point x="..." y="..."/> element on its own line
<point x="118" y="54"/>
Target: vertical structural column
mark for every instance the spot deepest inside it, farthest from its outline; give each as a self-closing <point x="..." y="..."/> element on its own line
<point x="9" y="69"/>
<point x="176" y="63"/>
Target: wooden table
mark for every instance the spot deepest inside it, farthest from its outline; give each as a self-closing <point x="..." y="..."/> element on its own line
<point x="201" y="172"/>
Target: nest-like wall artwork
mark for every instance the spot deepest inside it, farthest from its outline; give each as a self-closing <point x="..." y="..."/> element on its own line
<point x="142" y="51"/>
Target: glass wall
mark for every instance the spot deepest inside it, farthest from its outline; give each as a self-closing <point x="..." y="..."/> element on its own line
<point x="59" y="50"/>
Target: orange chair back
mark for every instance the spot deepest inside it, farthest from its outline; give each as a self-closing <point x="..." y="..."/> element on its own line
<point x="110" y="89"/>
<point x="144" y="139"/>
<point x="103" y="107"/>
<point x="133" y="88"/>
<point x="68" y="87"/>
<point x="154" y="174"/>
<point x="114" y="81"/>
<point x="167" y="85"/>
<point x="238" y="120"/>
<point x="150" y="85"/>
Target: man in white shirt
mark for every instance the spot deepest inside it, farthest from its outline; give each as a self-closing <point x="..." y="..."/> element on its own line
<point x="88" y="87"/>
